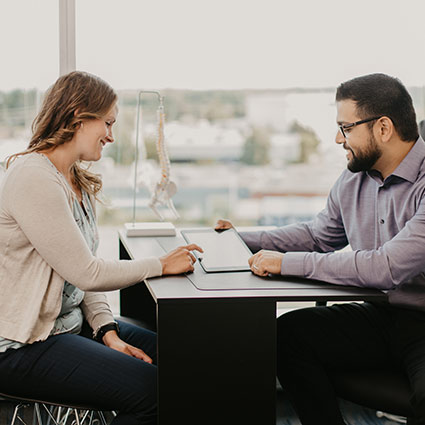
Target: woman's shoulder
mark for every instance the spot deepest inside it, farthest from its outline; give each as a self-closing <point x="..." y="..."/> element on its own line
<point x="34" y="163"/>
<point x="31" y="170"/>
<point x="30" y="160"/>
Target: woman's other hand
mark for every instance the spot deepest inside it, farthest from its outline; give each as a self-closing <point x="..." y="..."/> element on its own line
<point x="112" y="340"/>
<point x="180" y="260"/>
<point x="223" y="225"/>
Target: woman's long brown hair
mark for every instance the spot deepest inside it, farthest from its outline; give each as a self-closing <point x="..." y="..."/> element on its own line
<point x="74" y="97"/>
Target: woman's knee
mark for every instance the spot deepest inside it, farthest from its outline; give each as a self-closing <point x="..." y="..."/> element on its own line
<point x="139" y="337"/>
<point x="141" y="389"/>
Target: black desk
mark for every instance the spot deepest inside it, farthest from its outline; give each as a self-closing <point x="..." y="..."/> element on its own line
<point x="216" y="348"/>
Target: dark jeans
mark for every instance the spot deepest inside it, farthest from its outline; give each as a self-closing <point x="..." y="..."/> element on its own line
<point x="76" y="369"/>
<point x="315" y="342"/>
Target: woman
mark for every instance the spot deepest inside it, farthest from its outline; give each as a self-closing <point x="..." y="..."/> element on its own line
<point x="49" y="274"/>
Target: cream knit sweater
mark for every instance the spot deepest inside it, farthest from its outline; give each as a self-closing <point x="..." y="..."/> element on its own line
<point x="41" y="246"/>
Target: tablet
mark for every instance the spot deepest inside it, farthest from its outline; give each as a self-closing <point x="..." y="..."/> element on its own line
<point x="224" y="250"/>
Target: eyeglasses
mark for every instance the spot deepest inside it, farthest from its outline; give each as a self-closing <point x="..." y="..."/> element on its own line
<point x="344" y="127"/>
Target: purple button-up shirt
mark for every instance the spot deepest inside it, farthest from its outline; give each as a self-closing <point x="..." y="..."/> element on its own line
<point x="382" y="220"/>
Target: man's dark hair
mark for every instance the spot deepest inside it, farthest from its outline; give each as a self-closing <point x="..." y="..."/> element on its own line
<point x="379" y="94"/>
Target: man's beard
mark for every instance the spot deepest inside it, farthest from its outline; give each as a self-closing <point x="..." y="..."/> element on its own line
<point x="365" y="159"/>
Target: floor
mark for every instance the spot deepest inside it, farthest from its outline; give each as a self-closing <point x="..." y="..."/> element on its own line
<point x="353" y="414"/>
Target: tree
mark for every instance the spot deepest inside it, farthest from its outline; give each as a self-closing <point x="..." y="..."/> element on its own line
<point x="123" y="150"/>
<point x="309" y="142"/>
<point x="256" y="148"/>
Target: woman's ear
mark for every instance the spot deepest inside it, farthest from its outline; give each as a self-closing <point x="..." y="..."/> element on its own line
<point x="80" y="123"/>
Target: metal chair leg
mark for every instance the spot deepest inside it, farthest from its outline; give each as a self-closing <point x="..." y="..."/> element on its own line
<point x="38" y="413"/>
<point x="394" y="418"/>
<point x="50" y="414"/>
<point x="102" y="418"/>
<point x="57" y="415"/>
<point x="15" y="414"/>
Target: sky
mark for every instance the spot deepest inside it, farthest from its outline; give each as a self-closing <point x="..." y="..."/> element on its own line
<point x="216" y="44"/>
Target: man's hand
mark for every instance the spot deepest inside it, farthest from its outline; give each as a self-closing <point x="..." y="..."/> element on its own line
<point x="180" y="260"/>
<point x="264" y="262"/>
<point x="223" y="225"/>
<point x="112" y="340"/>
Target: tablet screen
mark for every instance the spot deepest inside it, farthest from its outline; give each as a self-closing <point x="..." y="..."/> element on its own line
<point x="223" y="250"/>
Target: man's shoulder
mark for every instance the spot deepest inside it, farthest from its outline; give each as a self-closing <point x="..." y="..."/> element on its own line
<point x="421" y="169"/>
<point x="419" y="183"/>
<point x="349" y="178"/>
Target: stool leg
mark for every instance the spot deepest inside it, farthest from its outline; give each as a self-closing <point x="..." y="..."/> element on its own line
<point x="15" y="413"/>
<point x="102" y="418"/>
<point x="37" y="412"/>
<point x="77" y="419"/>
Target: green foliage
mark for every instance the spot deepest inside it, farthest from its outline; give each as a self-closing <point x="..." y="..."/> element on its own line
<point x="17" y="107"/>
<point x="123" y="150"/>
<point x="309" y="142"/>
<point x="211" y="105"/>
<point x="256" y="148"/>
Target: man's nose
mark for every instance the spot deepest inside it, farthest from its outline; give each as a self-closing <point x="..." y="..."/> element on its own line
<point x="339" y="138"/>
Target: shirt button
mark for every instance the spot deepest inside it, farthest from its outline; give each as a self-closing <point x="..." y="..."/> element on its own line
<point x="382" y="221"/>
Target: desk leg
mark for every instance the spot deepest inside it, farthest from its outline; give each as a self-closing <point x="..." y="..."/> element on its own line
<point x="217" y="362"/>
<point x="136" y="302"/>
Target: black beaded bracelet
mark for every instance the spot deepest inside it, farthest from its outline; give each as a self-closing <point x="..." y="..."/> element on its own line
<point x="106" y="328"/>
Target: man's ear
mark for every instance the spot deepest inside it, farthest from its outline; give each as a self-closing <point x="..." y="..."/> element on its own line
<point x="385" y="128"/>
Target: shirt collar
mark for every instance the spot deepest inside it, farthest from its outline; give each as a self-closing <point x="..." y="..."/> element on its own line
<point x="410" y="167"/>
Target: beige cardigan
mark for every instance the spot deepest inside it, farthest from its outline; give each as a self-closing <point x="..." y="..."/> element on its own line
<point x="41" y="246"/>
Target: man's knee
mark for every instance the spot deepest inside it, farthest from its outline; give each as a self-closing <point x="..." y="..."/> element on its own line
<point x="294" y="325"/>
<point x="418" y="402"/>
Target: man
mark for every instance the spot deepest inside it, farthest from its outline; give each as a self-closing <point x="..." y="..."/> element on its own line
<point x="377" y="206"/>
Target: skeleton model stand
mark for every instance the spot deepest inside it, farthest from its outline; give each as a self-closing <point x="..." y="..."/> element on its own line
<point x="164" y="189"/>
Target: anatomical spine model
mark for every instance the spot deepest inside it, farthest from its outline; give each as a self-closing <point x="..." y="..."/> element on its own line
<point x="165" y="188"/>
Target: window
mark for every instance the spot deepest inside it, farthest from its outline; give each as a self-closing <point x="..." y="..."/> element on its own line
<point x="30" y="63"/>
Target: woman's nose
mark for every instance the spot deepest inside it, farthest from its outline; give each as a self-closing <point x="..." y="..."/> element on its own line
<point x="110" y="137"/>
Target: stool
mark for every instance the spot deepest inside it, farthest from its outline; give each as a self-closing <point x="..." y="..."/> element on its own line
<point x="57" y="413"/>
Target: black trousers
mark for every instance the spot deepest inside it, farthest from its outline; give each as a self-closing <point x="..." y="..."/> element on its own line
<point x="314" y="343"/>
<point x="76" y="369"/>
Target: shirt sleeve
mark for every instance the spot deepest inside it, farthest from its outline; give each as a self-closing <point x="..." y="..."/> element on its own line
<point x="325" y="233"/>
<point x="396" y="261"/>
<point x="96" y="310"/>
<point x="37" y="201"/>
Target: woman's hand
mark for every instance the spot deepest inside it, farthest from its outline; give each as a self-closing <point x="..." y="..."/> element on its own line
<point x="180" y="260"/>
<point x="112" y="340"/>
<point x="223" y="225"/>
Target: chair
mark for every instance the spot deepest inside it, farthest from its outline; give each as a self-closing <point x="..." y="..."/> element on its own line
<point x="48" y="412"/>
<point x="57" y="413"/>
<point x="382" y="390"/>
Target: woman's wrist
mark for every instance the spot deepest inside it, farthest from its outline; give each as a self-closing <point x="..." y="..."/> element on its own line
<point x="108" y="328"/>
<point x="110" y="337"/>
<point x="162" y="261"/>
